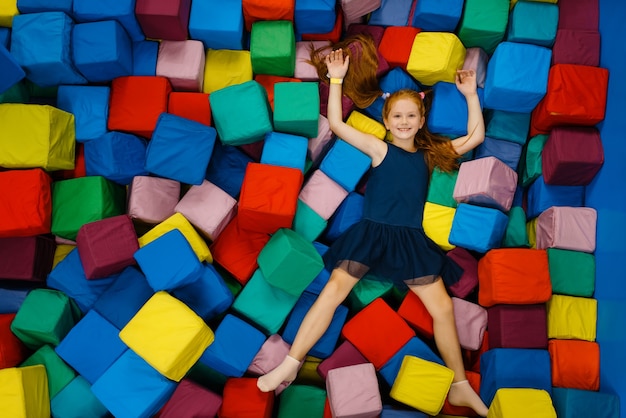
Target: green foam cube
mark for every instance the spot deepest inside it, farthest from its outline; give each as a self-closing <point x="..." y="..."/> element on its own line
<point x="307" y="222"/>
<point x="572" y="273"/>
<point x="530" y="164"/>
<point x="483" y="23"/>
<point x="297" y="108"/>
<point x="59" y="373"/>
<point x="516" y="234"/>
<point x="441" y="188"/>
<point x="366" y="290"/>
<point x="273" y="48"/>
<point x="302" y="401"/>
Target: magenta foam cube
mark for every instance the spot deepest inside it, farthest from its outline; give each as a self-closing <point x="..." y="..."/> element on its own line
<point x="191" y="400"/>
<point x="567" y="228"/>
<point x="486" y="182"/>
<point x="345" y="355"/>
<point x="182" y="62"/>
<point x="517" y="326"/>
<point x="26" y="258"/>
<point x="107" y="246"/>
<point x="353" y="392"/>
<point x="469" y="279"/>
<point x="579" y="14"/>
<point x="322" y="194"/>
<point x="152" y="199"/>
<point x="208" y="208"/>
<point x="471" y="323"/>
<point x="164" y="19"/>
<point x="576" y="46"/>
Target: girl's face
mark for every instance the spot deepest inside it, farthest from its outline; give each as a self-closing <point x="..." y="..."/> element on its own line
<point x="404" y="119"/>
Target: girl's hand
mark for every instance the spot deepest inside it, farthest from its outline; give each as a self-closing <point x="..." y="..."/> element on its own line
<point x="466" y="82"/>
<point x="337" y="64"/>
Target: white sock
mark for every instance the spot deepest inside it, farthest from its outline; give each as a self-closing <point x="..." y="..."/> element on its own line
<point x="284" y="372"/>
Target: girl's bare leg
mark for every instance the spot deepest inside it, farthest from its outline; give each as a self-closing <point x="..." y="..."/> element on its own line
<point x="438" y="303"/>
<point x="315" y="323"/>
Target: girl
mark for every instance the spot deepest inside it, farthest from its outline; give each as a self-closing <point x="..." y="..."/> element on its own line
<point x="389" y="240"/>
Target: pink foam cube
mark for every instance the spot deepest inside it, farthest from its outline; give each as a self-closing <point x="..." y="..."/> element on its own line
<point x="272" y="353"/>
<point x="152" y="199"/>
<point x="567" y="228"/>
<point x="317" y="145"/>
<point x="476" y="59"/>
<point x="322" y="194"/>
<point x="353" y="10"/>
<point x="353" y="392"/>
<point x="208" y="208"/>
<point x="471" y="323"/>
<point x="182" y="62"/>
<point x="304" y="70"/>
<point x="486" y="182"/>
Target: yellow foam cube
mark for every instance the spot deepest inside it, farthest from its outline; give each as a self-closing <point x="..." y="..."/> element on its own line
<point x="521" y="403"/>
<point x="435" y="56"/>
<point x="168" y="335"/>
<point x="225" y="67"/>
<point x="366" y="124"/>
<point x="422" y="384"/>
<point x="531" y="230"/>
<point x="60" y="252"/>
<point x="8" y="9"/>
<point x="572" y="317"/>
<point x="308" y="374"/>
<point x="437" y="224"/>
<point x="36" y="136"/>
<point x="178" y="221"/>
<point x="24" y="392"/>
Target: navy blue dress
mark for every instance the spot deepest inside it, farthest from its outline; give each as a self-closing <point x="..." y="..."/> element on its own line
<point x="389" y="241"/>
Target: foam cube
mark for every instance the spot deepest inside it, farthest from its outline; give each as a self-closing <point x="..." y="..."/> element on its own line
<point x="349" y="212"/>
<point x="345" y="355"/>
<point x="396" y="79"/>
<point x="437" y="222"/>
<point x="576" y="46"/>
<point x="435" y="56"/>
<point x="522" y="402"/>
<point x="391" y="14"/>
<point x="217" y="25"/>
<point x="486" y="182"/>
<point x="122" y="11"/>
<point x="90" y="107"/>
<point x="11" y="73"/>
<point x="477" y="228"/>
<point x="235" y="345"/>
<point x="347" y="105"/>
<point x="571" y="402"/>
<point x="533" y="23"/>
<point x="284" y="150"/>
<point x="271" y="354"/>
<point x="414" y="312"/>
<point x="26" y="258"/>
<point x="36" y="136"/>
<point x="507" y="126"/>
<point x="182" y="62"/>
<point x="24" y="392"/>
<point x="191" y="399"/>
<point x="365" y="124"/>
<point x="510" y="368"/>
<point x="516" y="234"/>
<point x="572" y="272"/>
<point x="469" y="279"/>
<point x="307" y="222"/>
<point x="515" y="92"/>
<point x="542" y="196"/>
<point x="568" y="228"/>
<point x="242" y="399"/>
<point x="517" y="326"/>
<point x="255" y="10"/>
<point x="13" y="350"/>
<point x="572" y="156"/>
<point x="152" y="199"/>
<point x="69" y="208"/>
<point x="157" y="261"/>
<point x="131" y="387"/>
<point x="422" y="384"/>
<point x="396" y="44"/>
<point x="483" y="24"/>
<point x="353" y="10"/>
<point x="575" y="364"/>
<point x="145" y="55"/>
<point x="168" y="335"/>
<point x="107" y="246"/>
<point x="448" y="113"/>
<point x="136" y="104"/>
<point x="296" y="108"/>
<point x="289" y="262"/>
<point x="530" y="165"/>
<point x="273" y="48"/>
<point x="45" y="317"/>
<point x="471" y="320"/>
<point x="76" y="399"/>
<point x="304" y="70"/>
<point x="116" y="156"/>
<point x="102" y="51"/>
<point x="571" y="317"/>
<point x="208" y="296"/>
<point x="513" y="276"/>
<point x="322" y="194"/>
<point x="229" y="105"/>
<point x="227" y="168"/>
<point x="345" y="164"/>
<point x="165" y="20"/>
<point x="180" y="149"/>
<point x="415" y="347"/>
<point x="46" y="60"/>
<point x="441" y="187"/>
<point x="302" y="400"/>
<point x="476" y="59"/>
<point x="225" y="68"/>
<point x="58" y="372"/>
<point x="508" y="152"/>
<point x="328" y="341"/>
<point x="564" y="86"/>
<point x="353" y="391"/>
<point x="433" y="16"/>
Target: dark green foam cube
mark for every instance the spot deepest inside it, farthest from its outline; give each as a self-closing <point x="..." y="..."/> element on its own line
<point x="273" y="48"/>
<point x="483" y="23"/>
<point x="441" y="188"/>
<point x="302" y="401"/>
<point x="572" y="273"/>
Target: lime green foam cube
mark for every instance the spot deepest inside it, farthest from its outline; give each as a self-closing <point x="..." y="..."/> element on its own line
<point x="572" y="272"/>
<point x="58" y="372"/>
<point x="289" y="261"/>
<point x="273" y="48"/>
<point x="297" y="108"/>
<point x="302" y="401"/>
<point x="81" y="200"/>
<point x="24" y="392"/>
<point x="483" y="23"/>
<point x="441" y="187"/>
<point x="307" y="222"/>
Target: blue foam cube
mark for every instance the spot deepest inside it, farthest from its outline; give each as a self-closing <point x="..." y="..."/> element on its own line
<point x="507" y="126"/>
<point x="90" y="107"/>
<point x="345" y="164"/>
<point x="391" y="412"/>
<point x="391" y="13"/>
<point x="517" y="77"/>
<point x="507" y="152"/>
<point x="69" y="277"/>
<point x="169" y="262"/>
<point x="477" y="228"/>
<point x="102" y="50"/>
<point x="131" y="388"/>
<point x="116" y="156"/>
<point x="414" y="347"/>
<point x="571" y="403"/>
<point x="514" y="368"/>
<point x="124" y="297"/>
<point x="208" y="296"/>
<point x="437" y="16"/>
<point x="76" y="400"/>
<point x="396" y="79"/>
<point x="533" y="23"/>
<point x="36" y="6"/>
<point x="285" y="150"/>
<point x="542" y="196"/>
<point x="180" y="149"/>
<point x="41" y="44"/>
<point x="5" y="37"/>
<point x="349" y="212"/>
<point x="327" y="343"/>
<point x="10" y="70"/>
<point x="145" y="54"/>
<point x="235" y="346"/>
<point x="217" y="24"/>
<point x="227" y="168"/>
<point x="11" y="297"/>
<point x="121" y="10"/>
<point x="448" y="111"/>
<point x="91" y="346"/>
<point x="314" y="16"/>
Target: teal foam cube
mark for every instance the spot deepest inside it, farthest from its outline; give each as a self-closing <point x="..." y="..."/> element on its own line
<point x="533" y="23"/>
<point x="297" y="108"/>
<point x="307" y="222"/>
<point x="76" y="400"/>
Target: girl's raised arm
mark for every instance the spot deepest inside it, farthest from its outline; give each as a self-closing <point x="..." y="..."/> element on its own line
<point x="337" y="66"/>
<point x="466" y="83"/>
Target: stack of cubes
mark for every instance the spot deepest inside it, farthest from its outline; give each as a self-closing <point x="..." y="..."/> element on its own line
<point x="170" y="184"/>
